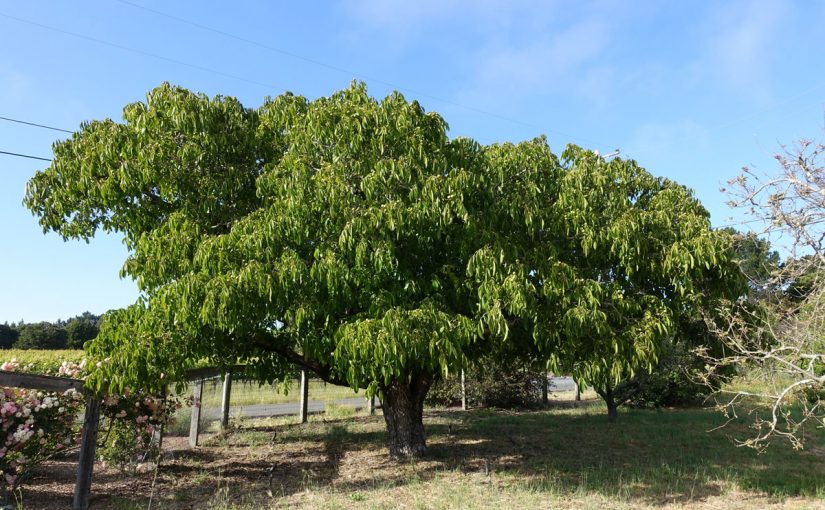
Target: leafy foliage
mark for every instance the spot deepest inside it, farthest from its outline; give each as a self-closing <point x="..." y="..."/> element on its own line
<point x="8" y="336"/>
<point x="42" y="335"/>
<point x="353" y="237"/>
<point x="79" y="331"/>
<point x="491" y="382"/>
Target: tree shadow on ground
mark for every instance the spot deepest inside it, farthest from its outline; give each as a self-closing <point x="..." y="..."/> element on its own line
<point x="646" y="457"/>
<point x="649" y="456"/>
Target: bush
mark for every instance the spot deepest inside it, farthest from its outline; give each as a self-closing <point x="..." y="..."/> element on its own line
<point x="491" y="382"/>
<point x="676" y="381"/>
<point x="35" y="425"/>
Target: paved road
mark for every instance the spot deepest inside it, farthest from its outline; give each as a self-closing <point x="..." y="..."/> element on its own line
<point x="263" y="410"/>
<point x="557" y="384"/>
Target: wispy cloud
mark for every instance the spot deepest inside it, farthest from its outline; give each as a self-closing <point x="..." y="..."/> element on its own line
<point x="550" y="58"/>
<point x="741" y="45"/>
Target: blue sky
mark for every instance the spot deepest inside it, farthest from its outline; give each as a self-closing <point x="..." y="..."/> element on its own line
<point x="691" y="90"/>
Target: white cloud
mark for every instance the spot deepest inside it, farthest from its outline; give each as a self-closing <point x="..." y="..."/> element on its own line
<point x="542" y="61"/>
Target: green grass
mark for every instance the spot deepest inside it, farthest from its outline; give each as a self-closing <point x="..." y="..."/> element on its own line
<point x="246" y="393"/>
<point x="568" y="456"/>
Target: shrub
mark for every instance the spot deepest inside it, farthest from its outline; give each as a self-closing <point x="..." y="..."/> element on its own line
<point x="491" y="382"/>
<point x="36" y="425"/>
<point x="676" y="381"/>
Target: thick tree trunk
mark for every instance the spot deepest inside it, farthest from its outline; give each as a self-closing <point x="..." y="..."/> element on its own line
<point x="610" y="399"/>
<point x="403" y="407"/>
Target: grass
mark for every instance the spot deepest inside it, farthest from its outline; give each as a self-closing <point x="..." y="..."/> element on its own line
<point x="246" y="393"/>
<point x="567" y="456"/>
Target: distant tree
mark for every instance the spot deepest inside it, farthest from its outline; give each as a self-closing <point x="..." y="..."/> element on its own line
<point x="79" y="330"/>
<point x="42" y="335"/>
<point x="8" y="335"/>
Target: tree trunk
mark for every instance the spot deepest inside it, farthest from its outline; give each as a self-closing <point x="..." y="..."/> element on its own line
<point x="610" y="400"/>
<point x="403" y="407"/>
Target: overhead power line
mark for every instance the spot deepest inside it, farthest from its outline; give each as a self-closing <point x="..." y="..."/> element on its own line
<point x="139" y="52"/>
<point x="24" y="156"/>
<point x="35" y="124"/>
<point x="349" y="72"/>
<point x="269" y="86"/>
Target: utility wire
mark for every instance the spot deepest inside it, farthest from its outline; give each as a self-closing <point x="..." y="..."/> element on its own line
<point x="139" y="52"/>
<point x="35" y="125"/>
<point x="325" y="65"/>
<point x="24" y="156"/>
<point x="342" y="70"/>
<point x="269" y="86"/>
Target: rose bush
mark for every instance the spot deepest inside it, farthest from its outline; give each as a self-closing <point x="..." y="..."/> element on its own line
<point x="36" y="425"/>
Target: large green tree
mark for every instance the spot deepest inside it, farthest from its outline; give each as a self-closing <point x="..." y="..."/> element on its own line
<point x="354" y="238"/>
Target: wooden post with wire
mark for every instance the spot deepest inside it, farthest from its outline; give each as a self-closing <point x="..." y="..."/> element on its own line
<point x="88" y="445"/>
<point x="544" y="384"/>
<point x="227" y="390"/>
<point x="195" y="423"/>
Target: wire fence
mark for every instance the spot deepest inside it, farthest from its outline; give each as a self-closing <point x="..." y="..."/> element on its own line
<point x="250" y="400"/>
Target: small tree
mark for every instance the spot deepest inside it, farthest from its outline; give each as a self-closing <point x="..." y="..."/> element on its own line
<point x="80" y="330"/>
<point x="781" y="338"/>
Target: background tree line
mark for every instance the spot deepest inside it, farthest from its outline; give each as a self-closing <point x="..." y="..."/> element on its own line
<point x="61" y="334"/>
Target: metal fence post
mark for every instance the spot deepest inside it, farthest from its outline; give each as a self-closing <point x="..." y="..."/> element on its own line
<point x="304" y="404"/>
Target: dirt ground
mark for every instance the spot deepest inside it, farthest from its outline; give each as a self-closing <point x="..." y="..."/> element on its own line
<point x="560" y="458"/>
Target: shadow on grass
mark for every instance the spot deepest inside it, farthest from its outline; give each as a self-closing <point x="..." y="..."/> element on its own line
<point x="647" y="456"/>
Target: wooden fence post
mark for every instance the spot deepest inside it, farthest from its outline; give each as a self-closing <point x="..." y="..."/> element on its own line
<point x="195" y="424"/>
<point x="463" y="392"/>
<point x="86" y="463"/>
<point x="544" y="399"/>
<point x="227" y="389"/>
<point x="304" y="404"/>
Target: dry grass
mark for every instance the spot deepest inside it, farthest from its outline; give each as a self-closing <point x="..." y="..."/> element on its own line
<point x="565" y="457"/>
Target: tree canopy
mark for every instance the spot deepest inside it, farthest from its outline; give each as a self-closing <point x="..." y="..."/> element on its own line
<point x="354" y="238"/>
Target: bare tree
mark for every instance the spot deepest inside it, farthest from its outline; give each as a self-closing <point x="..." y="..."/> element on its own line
<point x="778" y="336"/>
